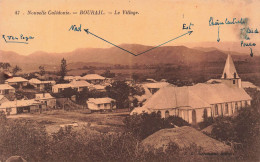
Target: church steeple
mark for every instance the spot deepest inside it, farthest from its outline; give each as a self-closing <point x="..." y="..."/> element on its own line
<point x="229" y="70"/>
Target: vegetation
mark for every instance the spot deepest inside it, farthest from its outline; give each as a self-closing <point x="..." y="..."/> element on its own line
<point x="141" y="126"/>
<point x="42" y="70"/>
<point x="63" y="69"/>
<point x="16" y="69"/>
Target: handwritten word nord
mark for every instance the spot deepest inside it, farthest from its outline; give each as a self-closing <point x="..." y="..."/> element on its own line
<point x="75" y="28"/>
<point x="14" y="39"/>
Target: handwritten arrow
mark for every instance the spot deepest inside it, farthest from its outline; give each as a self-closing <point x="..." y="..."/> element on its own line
<point x="88" y="32"/>
<point x="218" y="35"/>
<point x="251" y="54"/>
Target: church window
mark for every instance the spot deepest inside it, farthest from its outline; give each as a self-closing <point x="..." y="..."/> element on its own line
<point x="226" y="108"/>
<point x="167" y="114"/>
<point x="234" y="81"/>
<point x="216" y="109"/>
<point x="225" y="75"/>
<point x="235" y="75"/>
<point x="159" y="113"/>
<point x="236" y="107"/>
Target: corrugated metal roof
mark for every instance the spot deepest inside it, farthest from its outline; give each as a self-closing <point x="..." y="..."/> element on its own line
<point x="41" y="96"/>
<point x="197" y="96"/>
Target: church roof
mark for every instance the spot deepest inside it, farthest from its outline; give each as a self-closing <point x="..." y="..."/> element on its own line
<point x="197" y="96"/>
<point x="229" y="69"/>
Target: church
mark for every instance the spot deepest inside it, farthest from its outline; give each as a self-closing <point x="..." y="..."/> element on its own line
<point x="217" y="97"/>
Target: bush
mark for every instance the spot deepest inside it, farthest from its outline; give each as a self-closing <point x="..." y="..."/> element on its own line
<point x="143" y="125"/>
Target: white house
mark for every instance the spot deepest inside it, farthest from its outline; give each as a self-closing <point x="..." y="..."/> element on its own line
<point x="57" y="88"/>
<point x="101" y="103"/>
<point x="192" y="102"/>
<point x="77" y="85"/>
<point x="40" y="85"/>
<point x="19" y="81"/>
<point x="94" y="78"/>
<point x="46" y="99"/>
<point x="20" y="106"/>
<point x="6" y="89"/>
<point x="154" y="87"/>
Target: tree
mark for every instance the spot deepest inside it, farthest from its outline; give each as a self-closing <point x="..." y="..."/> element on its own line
<point x="16" y="69"/>
<point x="5" y="65"/>
<point x="63" y="69"/>
<point x="108" y="74"/>
<point x="120" y="92"/>
<point x="42" y="70"/>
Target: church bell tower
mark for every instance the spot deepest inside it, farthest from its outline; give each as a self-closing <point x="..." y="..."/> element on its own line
<point x="230" y="76"/>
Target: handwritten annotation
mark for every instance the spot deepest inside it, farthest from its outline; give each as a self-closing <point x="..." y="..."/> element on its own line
<point x="213" y="22"/>
<point x="14" y="39"/>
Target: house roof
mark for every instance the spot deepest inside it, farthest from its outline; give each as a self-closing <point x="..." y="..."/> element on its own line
<point x="19" y="103"/>
<point x="37" y="81"/>
<point x="197" y="96"/>
<point x="99" y="87"/>
<point x="246" y="84"/>
<point x="6" y="86"/>
<point x="81" y="83"/>
<point x="229" y="69"/>
<point x="93" y="77"/>
<point x="1" y="97"/>
<point x="185" y="137"/>
<point x="156" y="85"/>
<point x="43" y="96"/>
<point x="67" y="85"/>
<point x="100" y="100"/>
<point x="16" y="79"/>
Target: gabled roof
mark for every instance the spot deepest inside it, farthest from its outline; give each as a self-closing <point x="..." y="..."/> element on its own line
<point x="197" y="96"/>
<point x="6" y="86"/>
<point x="16" y="79"/>
<point x="93" y="77"/>
<point x="100" y="100"/>
<point x="99" y="87"/>
<point x="229" y="69"/>
<point x="43" y="96"/>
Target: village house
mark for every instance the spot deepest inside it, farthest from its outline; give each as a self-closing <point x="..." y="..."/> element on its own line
<point x="57" y="88"/>
<point x="94" y="78"/>
<point x="40" y="85"/>
<point x="18" y="81"/>
<point x="204" y="99"/>
<point x="20" y="106"/>
<point x="77" y="85"/>
<point x="46" y="99"/>
<point x="97" y="104"/>
<point x="6" y="89"/>
<point x="80" y="85"/>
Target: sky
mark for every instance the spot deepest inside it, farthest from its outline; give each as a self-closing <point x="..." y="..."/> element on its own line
<point x="157" y="22"/>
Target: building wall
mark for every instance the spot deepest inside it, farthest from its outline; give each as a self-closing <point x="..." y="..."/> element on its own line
<point x="9" y="111"/>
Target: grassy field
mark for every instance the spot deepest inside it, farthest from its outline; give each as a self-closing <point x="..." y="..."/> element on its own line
<point x="96" y="123"/>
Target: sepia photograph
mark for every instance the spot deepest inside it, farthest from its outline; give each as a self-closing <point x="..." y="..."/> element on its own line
<point x="129" y="80"/>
